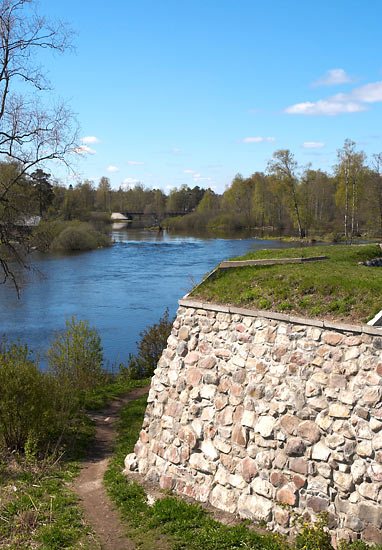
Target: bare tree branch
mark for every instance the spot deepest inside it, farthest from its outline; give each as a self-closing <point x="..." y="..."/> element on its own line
<point x="31" y="132"/>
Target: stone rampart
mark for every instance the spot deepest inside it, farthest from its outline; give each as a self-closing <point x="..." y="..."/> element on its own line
<point x="248" y="410"/>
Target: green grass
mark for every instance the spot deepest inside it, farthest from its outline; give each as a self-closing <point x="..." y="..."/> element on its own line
<point x="97" y="398"/>
<point x="37" y="507"/>
<point x="337" y="288"/>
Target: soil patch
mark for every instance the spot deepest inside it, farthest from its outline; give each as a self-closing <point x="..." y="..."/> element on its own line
<point x="98" y="508"/>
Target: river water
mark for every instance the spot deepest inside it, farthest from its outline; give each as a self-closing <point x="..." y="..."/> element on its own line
<point x="120" y="290"/>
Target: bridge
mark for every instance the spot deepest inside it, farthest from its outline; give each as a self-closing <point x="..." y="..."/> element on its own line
<point x="127" y="217"/>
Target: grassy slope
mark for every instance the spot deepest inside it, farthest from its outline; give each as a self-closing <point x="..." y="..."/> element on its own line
<point x="337" y="288"/>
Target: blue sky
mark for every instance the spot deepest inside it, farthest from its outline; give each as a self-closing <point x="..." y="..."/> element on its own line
<point x="168" y="92"/>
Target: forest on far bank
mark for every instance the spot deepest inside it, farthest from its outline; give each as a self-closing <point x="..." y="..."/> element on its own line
<point x="286" y="199"/>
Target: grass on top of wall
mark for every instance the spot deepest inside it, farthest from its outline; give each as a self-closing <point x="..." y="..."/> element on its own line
<point x="338" y="288"/>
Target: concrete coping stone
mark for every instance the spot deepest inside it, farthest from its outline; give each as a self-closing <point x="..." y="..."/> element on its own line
<point x="306" y="321"/>
<point x="269" y="261"/>
<point x="244" y="311"/>
<point x="342" y="327"/>
<point x="211" y="307"/>
<point x="373" y="331"/>
<point x="274" y="315"/>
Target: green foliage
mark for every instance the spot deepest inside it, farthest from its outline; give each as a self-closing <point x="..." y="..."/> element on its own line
<point x="69" y="235"/>
<point x="45" y="233"/>
<point x="32" y="407"/>
<point x="75" y="356"/>
<point x="357" y="545"/>
<point x="81" y="236"/>
<point x="314" y="536"/>
<point x="74" y="238"/>
<point x="43" y="190"/>
<point x="153" y="342"/>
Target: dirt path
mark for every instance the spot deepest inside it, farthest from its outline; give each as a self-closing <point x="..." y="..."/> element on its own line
<point x="99" y="510"/>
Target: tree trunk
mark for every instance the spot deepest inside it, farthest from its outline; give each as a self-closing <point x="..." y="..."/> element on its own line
<point x="346" y="202"/>
<point x="300" y="230"/>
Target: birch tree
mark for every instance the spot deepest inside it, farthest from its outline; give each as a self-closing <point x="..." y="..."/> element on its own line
<point x="284" y="167"/>
<point x="350" y="170"/>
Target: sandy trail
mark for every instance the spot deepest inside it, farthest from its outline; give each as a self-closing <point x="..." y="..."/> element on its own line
<point x="98" y="508"/>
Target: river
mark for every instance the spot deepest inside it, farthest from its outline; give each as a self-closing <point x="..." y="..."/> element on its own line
<point x="120" y="289"/>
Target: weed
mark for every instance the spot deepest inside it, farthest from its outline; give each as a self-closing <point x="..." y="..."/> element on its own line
<point x="314" y="536"/>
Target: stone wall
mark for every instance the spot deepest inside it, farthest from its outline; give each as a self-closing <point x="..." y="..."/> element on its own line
<point x="250" y="409"/>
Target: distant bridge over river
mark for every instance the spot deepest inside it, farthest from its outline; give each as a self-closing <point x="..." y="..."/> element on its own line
<point x="128" y="217"/>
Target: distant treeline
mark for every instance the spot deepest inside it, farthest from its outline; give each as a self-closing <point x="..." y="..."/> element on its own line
<point x="290" y="200"/>
<point x="284" y="200"/>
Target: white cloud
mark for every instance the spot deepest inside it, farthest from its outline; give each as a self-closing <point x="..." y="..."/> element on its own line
<point x="313" y="144"/>
<point x="84" y="150"/>
<point x="90" y="139"/>
<point x="252" y="139"/>
<point x="257" y="139"/>
<point x="254" y="111"/>
<point x="131" y="180"/>
<point x="112" y="169"/>
<point x="189" y="171"/>
<point x="353" y="102"/>
<point x="175" y="150"/>
<point x="134" y="162"/>
<point x="329" y="107"/>
<point x="369" y="93"/>
<point x="332" y="78"/>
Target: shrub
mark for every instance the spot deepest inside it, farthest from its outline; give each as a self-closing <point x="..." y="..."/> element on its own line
<point x="69" y="235"/>
<point x="150" y="347"/>
<point x="79" y="237"/>
<point x="32" y="407"/>
<point x="75" y="356"/>
<point x="44" y="234"/>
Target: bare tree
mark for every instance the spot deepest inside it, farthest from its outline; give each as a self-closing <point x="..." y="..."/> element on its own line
<point x="32" y="132"/>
